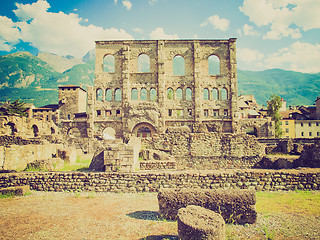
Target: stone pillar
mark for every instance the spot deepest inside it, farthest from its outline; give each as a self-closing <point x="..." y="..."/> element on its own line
<point x="125" y="76"/>
<point x="161" y="85"/>
<point x="197" y="92"/>
<point x="90" y="111"/>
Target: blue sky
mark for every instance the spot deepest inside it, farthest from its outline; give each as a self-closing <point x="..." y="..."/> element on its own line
<point x="270" y="33"/>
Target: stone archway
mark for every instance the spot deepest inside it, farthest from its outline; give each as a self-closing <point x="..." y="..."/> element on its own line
<point x="251" y="130"/>
<point x="74" y="133"/>
<point x="35" y="130"/>
<point x="109" y="133"/>
<point x="12" y="128"/>
<point x="143" y="130"/>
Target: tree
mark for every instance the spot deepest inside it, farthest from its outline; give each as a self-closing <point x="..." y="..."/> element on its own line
<point x="18" y="107"/>
<point x="274" y="105"/>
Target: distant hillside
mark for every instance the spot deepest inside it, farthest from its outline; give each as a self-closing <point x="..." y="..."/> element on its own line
<point x="27" y="77"/>
<point x="294" y="87"/>
<point x="59" y="64"/>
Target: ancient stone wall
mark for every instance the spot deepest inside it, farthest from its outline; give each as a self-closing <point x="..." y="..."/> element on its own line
<point x="266" y="180"/>
<point x="208" y="150"/>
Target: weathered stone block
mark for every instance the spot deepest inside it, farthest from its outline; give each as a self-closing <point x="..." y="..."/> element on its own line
<point x="196" y="222"/>
<point x="16" y="191"/>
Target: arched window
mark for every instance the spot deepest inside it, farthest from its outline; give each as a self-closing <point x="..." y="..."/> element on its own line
<point x="109" y="133"/>
<point x="108" y="64"/>
<point x="99" y="94"/>
<point x="224" y="94"/>
<point x="117" y="95"/>
<point x="35" y="130"/>
<point x="179" y="94"/>
<point x="178" y="65"/>
<point x="188" y="94"/>
<point x="153" y="94"/>
<point x="74" y="133"/>
<point x="215" y="94"/>
<point x="143" y="94"/>
<point x="108" y="95"/>
<point x="214" y="65"/>
<point x="169" y="93"/>
<point x="143" y="63"/>
<point x="205" y="94"/>
<point x="134" y="94"/>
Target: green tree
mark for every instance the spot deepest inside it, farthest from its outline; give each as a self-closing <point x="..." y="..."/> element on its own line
<point x="18" y="107"/>
<point x="273" y="108"/>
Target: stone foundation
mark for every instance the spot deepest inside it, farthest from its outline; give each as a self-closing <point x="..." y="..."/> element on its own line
<point x="265" y="180"/>
<point x="157" y="165"/>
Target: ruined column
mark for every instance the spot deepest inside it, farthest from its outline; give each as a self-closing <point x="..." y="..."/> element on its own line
<point x="125" y="76"/>
<point x="161" y="85"/>
<point x="197" y="83"/>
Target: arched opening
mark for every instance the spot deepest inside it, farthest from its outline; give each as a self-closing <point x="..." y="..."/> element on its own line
<point x="108" y="64"/>
<point x="74" y="133"/>
<point x="179" y="94"/>
<point x="178" y="65"/>
<point x="134" y="94"/>
<point x="143" y="130"/>
<point x="215" y="94"/>
<point x="153" y="94"/>
<point x="109" y="134"/>
<point x="224" y="94"/>
<point x="252" y="131"/>
<point x="99" y="94"/>
<point x="108" y="95"/>
<point x="170" y="94"/>
<point x="214" y="65"/>
<point x="143" y="94"/>
<point x="117" y="95"/>
<point x="12" y="128"/>
<point x="188" y="94"/>
<point x="143" y="63"/>
<point x="35" y="130"/>
<point x="205" y="94"/>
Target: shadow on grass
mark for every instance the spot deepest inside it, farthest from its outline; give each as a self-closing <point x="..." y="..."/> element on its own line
<point x="145" y="215"/>
<point x="160" y="237"/>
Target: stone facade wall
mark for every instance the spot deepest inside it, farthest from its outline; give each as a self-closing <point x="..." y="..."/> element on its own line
<point x="157" y="165"/>
<point x="269" y="180"/>
<point x="208" y="150"/>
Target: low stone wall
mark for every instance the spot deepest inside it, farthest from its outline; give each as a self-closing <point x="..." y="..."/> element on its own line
<point x="156" y="165"/>
<point x="271" y="180"/>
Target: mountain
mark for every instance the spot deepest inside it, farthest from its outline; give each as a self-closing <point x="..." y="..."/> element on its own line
<point x="295" y="88"/>
<point x="36" y="79"/>
<point x="59" y="64"/>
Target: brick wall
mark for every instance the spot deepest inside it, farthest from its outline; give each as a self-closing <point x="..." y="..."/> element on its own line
<point x="266" y="180"/>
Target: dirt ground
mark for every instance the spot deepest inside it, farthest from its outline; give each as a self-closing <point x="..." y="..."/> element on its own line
<point x="50" y="215"/>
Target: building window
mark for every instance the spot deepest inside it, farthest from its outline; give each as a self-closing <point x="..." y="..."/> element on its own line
<point x="98" y="113"/>
<point x="215" y="113"/>
<point x="118" y="113"/>
<point x="153" y="94"/>
<point x="143" y="94"/>
<point x="108" y="95"/>
<point x="134" y="94"/>
<point x="179" y="113"/>
<point x="190" y="112"/>
<point x="318" y="134"/>
<point x="108" y="64"/>
<point x="214" y="94"/>
<point x="169" y="112"/>
<point x="143" y="63"/>
<point x="317" y="124"/>
<point x="169" y="94"/>
<point x="287" y="130"/>
<point x="287" y="122"/>
<point x="188" y="94"/>
<point x="214" y="65"/>
<point x="225" y="112"/>
<point x="205" y="94"/>
<point x="68" y="116"/>
<point x="302" y="134"/>
<point x="117" y="95"/>
<point x="310" y="134"/>
<point x="224" y="94"/>
<point x="206" y="112"/>
<point x="301" y="124"/>
<point x="179" y="94"/>
<point x="178" y="66"/>
<point x="108" y="113"/>
<point x="99" y="95"/>
<point x="309" y="124"/>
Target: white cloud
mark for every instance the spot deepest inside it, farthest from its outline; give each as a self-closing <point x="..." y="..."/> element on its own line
<point x="159" y="33"/>
<point x="285" y="17"/>
<point x="115" y="1"/>
<point x="138" y="30"/>
<point x="248" y="55"/>
<point x="217" y="22"/>
<point x="57" y="33"/>
<point x="247" y="30"/>
<point x="152" y="2"/>
<point x="301" y="57"/>
<point x="127" y="4"/>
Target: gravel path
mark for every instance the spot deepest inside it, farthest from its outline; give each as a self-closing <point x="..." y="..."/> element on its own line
<point x="50" y="215"/>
